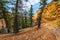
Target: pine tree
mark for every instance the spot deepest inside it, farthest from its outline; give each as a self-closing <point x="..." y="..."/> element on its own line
<point x="18" y="9"/>
<point x="25" y="19"/>
<point x="55" y="0"/>
<point x="16" y="18"/>
<point x="3" y="10"/>
<point x="31" y="14"/>
<point x="42" y="5"/>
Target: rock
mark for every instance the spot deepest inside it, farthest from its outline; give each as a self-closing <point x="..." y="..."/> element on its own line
<point x="51" y="12"/>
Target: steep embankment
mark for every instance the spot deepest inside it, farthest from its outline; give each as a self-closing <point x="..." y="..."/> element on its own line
<point x="51" y="12"/>
<point x="51" y="18"/>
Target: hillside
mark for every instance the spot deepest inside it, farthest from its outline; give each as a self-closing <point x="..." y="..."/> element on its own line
<point x="31" y="34"/>
<point x="51" y="12"/>
<point x="50" y="27"/>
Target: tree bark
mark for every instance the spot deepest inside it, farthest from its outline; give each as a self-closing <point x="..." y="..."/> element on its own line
<point x="16" y="28"/>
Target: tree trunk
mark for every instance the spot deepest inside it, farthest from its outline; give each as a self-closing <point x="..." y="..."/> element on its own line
<point x="5" y="18"/>
<point x="16" y="28"/>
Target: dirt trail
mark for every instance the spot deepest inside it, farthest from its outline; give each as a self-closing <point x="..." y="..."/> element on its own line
<point x="31" y="34"/>
<point x="57" y="34"/>
<point x="53" y="28"/>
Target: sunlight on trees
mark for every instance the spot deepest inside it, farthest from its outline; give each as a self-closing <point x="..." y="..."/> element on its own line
<point x="18" y="16"/>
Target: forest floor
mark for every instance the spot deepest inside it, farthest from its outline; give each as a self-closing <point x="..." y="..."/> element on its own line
<point x="32" y="34"/>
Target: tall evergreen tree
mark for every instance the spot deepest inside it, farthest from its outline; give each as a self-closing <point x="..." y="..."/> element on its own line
<point x="18" y="9"/>
<point x="55" y="0"/>
<point x="3" y="10"/>
<point x="16" y="18"/>
<point x="42" y="5"/>
<point x="25" y="13"/>
<point x="31" y="14"/>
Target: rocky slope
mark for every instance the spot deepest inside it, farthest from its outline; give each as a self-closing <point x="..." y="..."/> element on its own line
<point x="51" y="12"/>
<point x="51" y="18"/>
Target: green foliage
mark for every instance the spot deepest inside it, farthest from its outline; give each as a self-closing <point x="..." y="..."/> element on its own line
<point x="25" y="18"/>
<point x="4" y="12"/>
<point x="31" y="15"/>
<point x="4" y="1"/>
<point x="16" y="23"/>
<point x="42" y="5"/>
<point x="56" y="0"/>
<point x="2" y="30"/>
<point x="26" y="0"/>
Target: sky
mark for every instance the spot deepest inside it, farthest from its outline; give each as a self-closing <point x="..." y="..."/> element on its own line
<point x="35" y="4"/>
